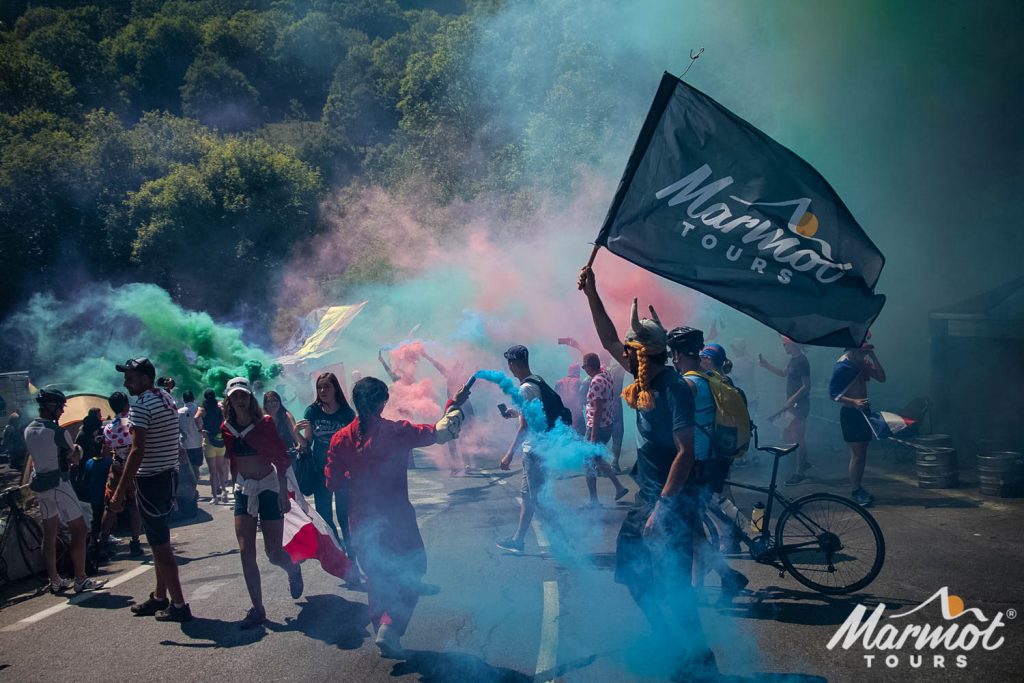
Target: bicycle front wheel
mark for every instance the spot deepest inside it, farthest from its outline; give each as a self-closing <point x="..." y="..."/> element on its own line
<point x="830" y="544"/>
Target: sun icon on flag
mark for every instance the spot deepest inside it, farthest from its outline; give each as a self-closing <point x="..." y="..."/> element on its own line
<point x="808" y="224"/>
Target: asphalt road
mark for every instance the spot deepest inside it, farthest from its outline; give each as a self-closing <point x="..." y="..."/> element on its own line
<point x="497" y="617"/>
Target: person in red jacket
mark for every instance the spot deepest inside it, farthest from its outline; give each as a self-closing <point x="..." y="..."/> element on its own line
<point x="371" y="454"/>
<point x="259" y="466"/>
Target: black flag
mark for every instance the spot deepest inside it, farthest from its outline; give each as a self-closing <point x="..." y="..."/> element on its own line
<point x="712" y="203"/>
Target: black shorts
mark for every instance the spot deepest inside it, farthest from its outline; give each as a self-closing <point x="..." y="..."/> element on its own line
<point x="155" y="496"/>
<point x="640" y="560"/>
<point x="855" y="425"/>
<point x="195" y="456"/>
<point x="711" y="474"/>
<point x="269" y="511"/>
<point x="602" y="435"/>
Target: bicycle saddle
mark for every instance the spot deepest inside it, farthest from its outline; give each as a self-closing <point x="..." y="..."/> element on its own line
<point x="779" y="451"/>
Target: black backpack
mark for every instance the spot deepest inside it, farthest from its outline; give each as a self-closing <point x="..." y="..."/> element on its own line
<point x="554" y="409"/>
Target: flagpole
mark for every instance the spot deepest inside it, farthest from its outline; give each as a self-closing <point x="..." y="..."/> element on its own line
<point x="590" y="261"/>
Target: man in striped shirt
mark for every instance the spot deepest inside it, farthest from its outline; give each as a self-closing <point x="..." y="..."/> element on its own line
<point x="153" y="463"/>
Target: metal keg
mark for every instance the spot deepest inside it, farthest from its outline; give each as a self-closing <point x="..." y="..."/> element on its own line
<point x="1001" y="473"/>
<point x="936" y="468"/>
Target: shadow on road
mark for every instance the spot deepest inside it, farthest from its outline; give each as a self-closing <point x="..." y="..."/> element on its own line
<point x="201" y="517"/>
<point x="474" y="494"/>
<point x="333" y="620"/>
<point x="108" y="601"/>
<point x="455" y="667"/>
<point x="800" y="607"/>
<point x="217" y="633"/>
<point x="182" y="560"/>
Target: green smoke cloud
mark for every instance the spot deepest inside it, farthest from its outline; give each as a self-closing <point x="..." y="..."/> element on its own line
<point x="76" y="343"/>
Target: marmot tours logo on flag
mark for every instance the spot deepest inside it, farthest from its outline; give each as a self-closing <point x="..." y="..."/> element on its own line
<point x="796" y="247"/>
<point x="921" y="643"/>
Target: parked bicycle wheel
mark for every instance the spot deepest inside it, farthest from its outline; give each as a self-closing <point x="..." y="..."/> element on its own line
<point x="30" y="539"/>
<point x="710" y="531"/>
<point x="830" y="544"/>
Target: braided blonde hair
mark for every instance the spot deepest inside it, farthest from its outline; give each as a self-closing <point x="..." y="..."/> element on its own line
<point x="638" y="395"/>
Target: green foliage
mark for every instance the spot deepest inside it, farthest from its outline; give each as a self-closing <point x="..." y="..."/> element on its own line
<point x="219" y="95"/>
<point x="182" y="140"/>
<point x="27" y="81"/>
<point x="222" y="217"/>
<point x="67" y="44"/>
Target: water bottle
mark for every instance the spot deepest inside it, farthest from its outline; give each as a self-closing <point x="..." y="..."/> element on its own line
<point x="730" y="511"/>
<point x="756" y="518"/>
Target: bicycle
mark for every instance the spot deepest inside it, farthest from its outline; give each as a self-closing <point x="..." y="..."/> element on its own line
<point x="20" y="526"/>
<point x="826" y="542"/>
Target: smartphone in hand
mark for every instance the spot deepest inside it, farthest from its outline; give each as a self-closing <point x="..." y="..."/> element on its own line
<point x="503" y="409"/>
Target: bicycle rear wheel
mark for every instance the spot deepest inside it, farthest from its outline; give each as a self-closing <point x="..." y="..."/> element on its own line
<point x="30" y="539"/>
<point x="830" y="544"/>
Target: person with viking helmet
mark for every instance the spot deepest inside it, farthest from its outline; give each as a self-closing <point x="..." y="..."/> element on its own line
<point x="654" y="549"/>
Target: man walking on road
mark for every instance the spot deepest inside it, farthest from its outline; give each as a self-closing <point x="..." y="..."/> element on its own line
<point x="531" y="388"/>
<point x="654" y="553"/>
<point x="153" y="464"/>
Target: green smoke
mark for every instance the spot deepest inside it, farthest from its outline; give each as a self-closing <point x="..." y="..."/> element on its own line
<point x="76" y="343"/>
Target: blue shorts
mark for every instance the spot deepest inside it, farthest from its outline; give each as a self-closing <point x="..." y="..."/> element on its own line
<point x="269" y="511"/>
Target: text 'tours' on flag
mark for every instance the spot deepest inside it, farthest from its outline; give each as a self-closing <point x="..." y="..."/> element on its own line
<point x="711" y="202"/>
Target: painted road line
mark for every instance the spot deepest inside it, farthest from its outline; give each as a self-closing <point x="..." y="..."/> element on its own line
<point x="542" y="539"/>
<point x="206" y="590"/>
<point x="547" y="654"/>
<point x="77" y="599"/>
<point x="948" y="493"/>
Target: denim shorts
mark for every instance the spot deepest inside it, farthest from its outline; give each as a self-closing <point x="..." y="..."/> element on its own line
<point x="269" y="511"/>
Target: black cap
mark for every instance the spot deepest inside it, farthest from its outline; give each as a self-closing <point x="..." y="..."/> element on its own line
<point x="143" y="365"/>
<point x="51" y="396"/>
<point x="686" y="340"/>
<point x="517" y="352"/>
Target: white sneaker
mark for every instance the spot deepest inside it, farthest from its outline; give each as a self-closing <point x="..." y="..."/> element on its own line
<point x="389" y="642"/>
<point x="61" y="585"/>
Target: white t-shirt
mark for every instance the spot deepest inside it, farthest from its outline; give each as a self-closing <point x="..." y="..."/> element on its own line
<point x="528" y="391"/>
<point x="191" y="437"/>
<point x="155" y="412"/>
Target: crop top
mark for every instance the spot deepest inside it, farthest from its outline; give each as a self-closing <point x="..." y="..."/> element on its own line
<point x="259" y="439"/>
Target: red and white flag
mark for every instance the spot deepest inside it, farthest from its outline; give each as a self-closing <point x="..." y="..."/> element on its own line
<point x="307" y="536"/>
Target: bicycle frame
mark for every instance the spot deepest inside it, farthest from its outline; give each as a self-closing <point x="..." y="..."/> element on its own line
<point x="763" y="540"/>
<point x="761" y="546"/>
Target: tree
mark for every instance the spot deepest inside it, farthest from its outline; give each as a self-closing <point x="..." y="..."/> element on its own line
<point x="153" y="54"/>
<point x="231" y="218"/>
<point x="66" y="43"/>
<point x="308" y="52"/>
<point x="27" y="81"/>
<point x="39" y="208"/>
<point x="219" y="95"/>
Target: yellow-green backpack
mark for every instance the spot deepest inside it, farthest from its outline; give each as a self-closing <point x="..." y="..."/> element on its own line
<point x="731" y="435"/>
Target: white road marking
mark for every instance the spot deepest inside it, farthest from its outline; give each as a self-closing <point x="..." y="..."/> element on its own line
<point x="949" y="493"/>
<point x="542" y="539"/>
<point x="78" y="599"/>
<point x="206" y="590"/>
<point x="547" y="653"/>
